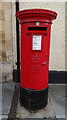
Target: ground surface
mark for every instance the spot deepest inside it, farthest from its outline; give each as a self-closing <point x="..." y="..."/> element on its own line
<point x="54" y="109"/>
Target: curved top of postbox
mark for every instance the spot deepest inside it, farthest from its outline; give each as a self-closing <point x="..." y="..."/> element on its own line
<point x="29" y="15"/>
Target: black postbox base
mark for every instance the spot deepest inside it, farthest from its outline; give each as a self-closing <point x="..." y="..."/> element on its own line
<point x="33" y="99"/>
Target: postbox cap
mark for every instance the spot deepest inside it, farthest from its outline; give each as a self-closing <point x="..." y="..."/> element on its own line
<point x="29" y="15"/>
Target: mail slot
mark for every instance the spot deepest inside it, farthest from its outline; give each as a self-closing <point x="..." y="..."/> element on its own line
<point x="34" y="56"/>
<point x="37" y="28"/>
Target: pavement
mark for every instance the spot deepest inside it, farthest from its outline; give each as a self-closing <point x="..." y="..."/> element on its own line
<point x="11" y="106"/>
<point x="7" y="95"/>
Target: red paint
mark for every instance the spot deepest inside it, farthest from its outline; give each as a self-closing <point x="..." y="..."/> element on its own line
<point x="34" y="65"/>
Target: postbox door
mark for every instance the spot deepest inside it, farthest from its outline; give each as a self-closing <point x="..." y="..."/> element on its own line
<point x="35" y="60"/>
<point x="39" y="59"/>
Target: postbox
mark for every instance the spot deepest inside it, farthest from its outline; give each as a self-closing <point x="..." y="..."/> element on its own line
<point x="35" y="29"/>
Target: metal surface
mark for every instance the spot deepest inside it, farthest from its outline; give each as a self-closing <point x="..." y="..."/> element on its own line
<point x="35" y="62"/>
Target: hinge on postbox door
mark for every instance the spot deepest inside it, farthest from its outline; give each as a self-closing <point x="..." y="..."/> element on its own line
<point x="44" y="63"/>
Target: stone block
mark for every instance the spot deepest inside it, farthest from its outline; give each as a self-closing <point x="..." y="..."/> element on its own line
<point x="7" y="72"/>
<point x="2" y="37"/>
<point x="2" y="15"/>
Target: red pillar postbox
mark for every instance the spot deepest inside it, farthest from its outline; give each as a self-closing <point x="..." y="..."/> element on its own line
<point x="34" y="56"/>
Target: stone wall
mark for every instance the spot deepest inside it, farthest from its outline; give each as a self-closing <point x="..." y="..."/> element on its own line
<point x="8" y="36"/>
<point x="66" y="36"/>
<point x="7" y="39"/>
<point x="57" y="49"/>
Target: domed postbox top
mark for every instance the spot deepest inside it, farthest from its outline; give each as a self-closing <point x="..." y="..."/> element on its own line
<point x="29" y="15"/>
